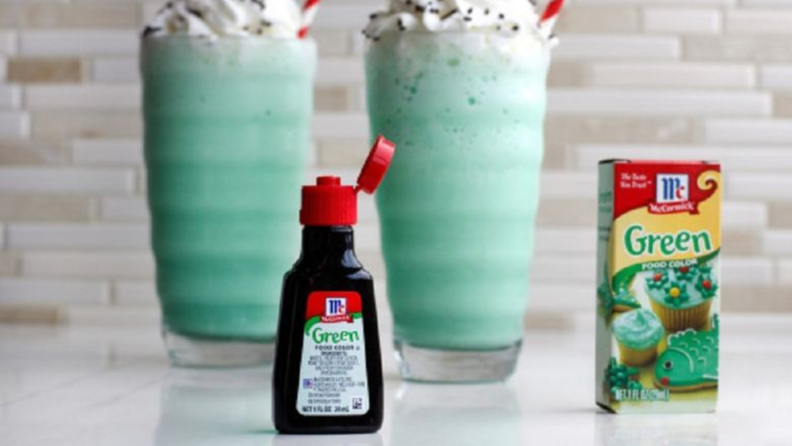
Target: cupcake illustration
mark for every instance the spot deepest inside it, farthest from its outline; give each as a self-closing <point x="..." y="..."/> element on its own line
<point x="682" y="297"/>
<point x="638" y="334"/>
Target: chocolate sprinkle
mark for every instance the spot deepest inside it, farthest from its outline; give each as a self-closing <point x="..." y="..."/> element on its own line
<point x="196" y="12"/>
<point x="149" y="30"/>
<point x="449" y="14"/>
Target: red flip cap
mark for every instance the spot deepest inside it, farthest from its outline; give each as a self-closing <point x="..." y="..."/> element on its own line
<point x="330" y="203"/>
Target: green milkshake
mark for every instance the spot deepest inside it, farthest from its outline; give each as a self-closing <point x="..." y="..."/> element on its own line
<point x="465" y="101"/>
<point x="227" y="133"/>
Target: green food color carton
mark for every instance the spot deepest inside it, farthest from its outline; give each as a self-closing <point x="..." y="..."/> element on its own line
<point x="658" y="286"/>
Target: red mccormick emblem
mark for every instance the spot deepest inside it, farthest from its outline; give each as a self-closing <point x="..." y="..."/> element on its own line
<point x="673" y="195"/>
<point x="336" y="310"/>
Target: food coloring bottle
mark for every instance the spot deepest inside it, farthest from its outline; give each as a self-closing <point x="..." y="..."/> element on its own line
<point x="327" y="376"/>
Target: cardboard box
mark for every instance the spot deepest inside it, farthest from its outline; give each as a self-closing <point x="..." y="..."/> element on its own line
<point x="658" y="286"/>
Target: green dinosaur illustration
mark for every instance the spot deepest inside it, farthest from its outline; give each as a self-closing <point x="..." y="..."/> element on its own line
<point x="691" y="360"/>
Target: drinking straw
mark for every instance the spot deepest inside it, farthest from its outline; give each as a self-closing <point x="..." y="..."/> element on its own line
<point x="308" y="15"/>
<point x="550" y="16"/>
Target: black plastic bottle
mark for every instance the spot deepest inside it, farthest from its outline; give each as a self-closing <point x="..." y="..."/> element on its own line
<point x="328" y="372"/>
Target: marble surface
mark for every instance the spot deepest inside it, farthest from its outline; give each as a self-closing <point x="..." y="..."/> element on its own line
<point x="111" y="386"/>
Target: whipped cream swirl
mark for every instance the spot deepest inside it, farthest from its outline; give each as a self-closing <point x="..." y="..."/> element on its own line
<point x="508" y="17"/>
<point x="216" y="18"/>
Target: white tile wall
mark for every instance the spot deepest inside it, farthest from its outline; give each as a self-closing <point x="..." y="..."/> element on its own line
<point x="340" y="125"/>
<point x="764" y="131"/>
<point x="776" y="76"/>
<point x="601" y="47"/>
<point x="65" y="180"/>
<point x="555" y="298"/>
<point x="569" y="185"/>
<point x="367" y="237"/>
<point x="124" y="209"/>
<point x="344" y="17"/>
<point x="115" y="70"/>
<point x="682" y="21"/>
<point x="683" y="79"/>
<point x="9" y="97"/>
<point x="778" y="3"/>
<point x="565" y="241"/>
<point x="785" y="271"/>
<point x="733" y="158"/>
<point x="777" y="242"/>
<point x="132" y="293"/>
<point x="340" y="71"/>
<point x="577" y="270"/>
<point x="657" y="103"/>
<point x="744" y="215"/>
<point x="683" y="3"/>
<point x="14" y="125"/>
<point x="81" y="98"/>
<point x="77" y="42"/>
<point x="746" y="21"/>
<point x="673" y="75"/>
<point x="77" y="237"/>
<point x="94" y="265"/>
<point x="103" y="152"/>
<point x="49" y="292"/>
<point x="755" y="186"/>
<point x="747" y="271"/>
<point x="8" y="42"/>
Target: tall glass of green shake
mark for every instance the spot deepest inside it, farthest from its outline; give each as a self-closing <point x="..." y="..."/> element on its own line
<point x="460" y="86"/>
<point x="227" y="101"/>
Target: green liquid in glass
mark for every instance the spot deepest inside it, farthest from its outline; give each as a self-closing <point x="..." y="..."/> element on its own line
<point x="227" y="133"/>
<point x="457" y="207"/>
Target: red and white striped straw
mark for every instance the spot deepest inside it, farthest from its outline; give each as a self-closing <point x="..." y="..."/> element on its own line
<point x="550" y="16"/>
<point x="308" y="15"/>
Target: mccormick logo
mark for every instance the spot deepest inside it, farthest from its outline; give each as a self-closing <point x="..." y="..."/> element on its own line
<point x="336" y="310"/>
<point x="672" y="188"/>
<point x="673" y="195"/>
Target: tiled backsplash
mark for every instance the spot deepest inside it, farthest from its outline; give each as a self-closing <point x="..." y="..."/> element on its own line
<point x="653" y="78"/>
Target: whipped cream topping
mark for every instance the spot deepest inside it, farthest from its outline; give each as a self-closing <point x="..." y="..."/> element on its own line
<point x="216" y="18"/>
<point x="508" y="17"/>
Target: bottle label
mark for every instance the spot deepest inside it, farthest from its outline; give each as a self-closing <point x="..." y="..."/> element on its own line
<point x="333" y="378"/>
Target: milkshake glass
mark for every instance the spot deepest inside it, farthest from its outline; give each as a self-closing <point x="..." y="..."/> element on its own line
<point x="457" y="211"/>
<point x="227" y="133"/>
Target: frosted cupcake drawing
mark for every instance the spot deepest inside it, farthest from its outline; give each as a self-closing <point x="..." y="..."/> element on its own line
<point x="682" y="297"/>
<point x="638" y="333"/>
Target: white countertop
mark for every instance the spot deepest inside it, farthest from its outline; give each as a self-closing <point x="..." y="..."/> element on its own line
<point x="112" y="386"/>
